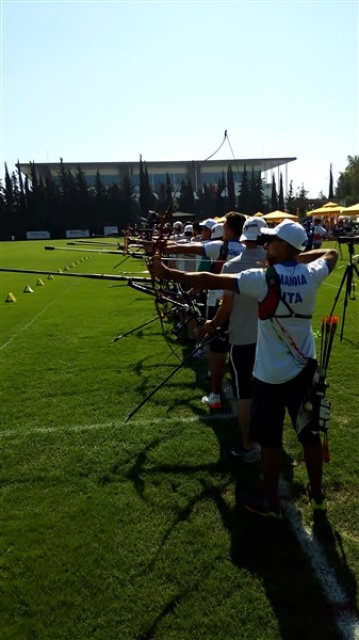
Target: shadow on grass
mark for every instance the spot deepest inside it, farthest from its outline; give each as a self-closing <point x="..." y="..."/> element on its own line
<point x="270" y="550"/>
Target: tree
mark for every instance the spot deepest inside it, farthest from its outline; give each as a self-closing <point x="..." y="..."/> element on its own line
<point x="347" y="189"/>
<point x="21" y="188"/>
<point x="206" y="201"/>
<point x="67" y="188"/>
<point x="147" y="200"/>
<point x="81" y="218"/>
<point x="100" y="208"/>
<point x="301" y="201"/>
<point x="128" y="201"/>
<point x="164" y="194"/>
<point x="281" y="194"/>
<point x="185" y="199"/>
<point x="244" y="203"/>
<point x="221" y="197"/>
<point x="331" y="192"/>
<point x="8" y="190"/>
<point x="231" y="197"/>
<point x="290" y="201"/>
<point x="256" y="193"/>
<point x="36" y="218"/>
<point x="52" y="196"/>
<point x="274" y="197"/>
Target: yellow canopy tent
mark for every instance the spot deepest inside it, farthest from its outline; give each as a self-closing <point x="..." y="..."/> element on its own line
<point x="352" y="211"/>
<point x="328" y="209"/>
<point x="259" y="214"/>
<point x="275" y="216"/>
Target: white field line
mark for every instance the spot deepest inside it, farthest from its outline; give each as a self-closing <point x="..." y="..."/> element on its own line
<point x="115" y="424"/>
<point x="347" y="622"/>
<point x="36" y="317"/>
<point x="208" y="418"/>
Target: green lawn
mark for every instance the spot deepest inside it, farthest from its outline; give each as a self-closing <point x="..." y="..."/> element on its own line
<point x="136" y="531"/>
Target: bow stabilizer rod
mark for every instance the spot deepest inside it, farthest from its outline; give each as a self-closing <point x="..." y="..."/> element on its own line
<point x="93" y="276"/>
<point x="104" y="251"/>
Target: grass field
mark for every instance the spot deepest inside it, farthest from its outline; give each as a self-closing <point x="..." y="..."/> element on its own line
<point x="136" y="531"/>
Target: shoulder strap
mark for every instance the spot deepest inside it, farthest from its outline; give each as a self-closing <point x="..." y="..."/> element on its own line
<point x="268" y="307"/>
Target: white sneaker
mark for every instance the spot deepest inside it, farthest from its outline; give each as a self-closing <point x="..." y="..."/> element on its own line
<point x="213" y="400"/>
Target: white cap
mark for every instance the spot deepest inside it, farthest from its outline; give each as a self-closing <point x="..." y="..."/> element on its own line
<point x="291" y="232"/>
<point x="177" y="224"/>
<point x="188" y="228"/>
<point x="252" y="229"/>
<point x="208" y="223"/>
<point x="217" y="231"/>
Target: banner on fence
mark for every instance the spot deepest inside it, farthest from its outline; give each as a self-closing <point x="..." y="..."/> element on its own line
<point x="77" y="233"/>
<point x="37" y="235"/>
<point x="110" y="231"/>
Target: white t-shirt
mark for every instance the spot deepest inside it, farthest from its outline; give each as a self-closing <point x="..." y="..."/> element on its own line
<point x="284" y="344"/>
<point x="187" y="262"/>
<point x="319" y="233"/>
<point x="212" y="250"/>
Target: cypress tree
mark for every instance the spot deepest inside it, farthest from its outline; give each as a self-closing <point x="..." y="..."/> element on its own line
<point x="281" y="194"/>
<point x="147" y="200"/>
<point x="244" y="203"/>
<point x="83" y="218"/>
<point x="301" y="201"/>
<point x="274" y="199"/>
<point x="129" y="207"/>
<point x="4" y="218"/>
<point x="290" y="201"/>
<point x="231" y="197"/>
<point x="100" y="204"/>
<point x="8" y="190"/>
<point x="185" y="200"/>
<point x="221" y="197"/>
<point x="257" y="194"/>
<point x="21" y="188"/>
<point x="331" y="192"/>
<point x="53" y="204"/>
<point x="68" y="197"/>
<point x="168" y="195"/>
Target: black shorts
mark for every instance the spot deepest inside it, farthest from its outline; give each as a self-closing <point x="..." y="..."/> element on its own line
<point x="219" y="344"/>
<point x="241" y="361"/>
<point x="269" y="402"/>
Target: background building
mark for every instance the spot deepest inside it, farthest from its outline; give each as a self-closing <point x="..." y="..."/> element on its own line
<point x="197" y="171"/>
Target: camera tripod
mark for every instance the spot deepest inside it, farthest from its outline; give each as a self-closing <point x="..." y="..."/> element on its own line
<point x="347" y="280"/>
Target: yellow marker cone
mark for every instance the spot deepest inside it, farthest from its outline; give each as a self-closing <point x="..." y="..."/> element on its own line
<point x="10" y="297"/>
<point x="50" y="276"/>
<point x="59" y="271"/>
<point x="28" y="290"/>
<point x="40" y="283"/>
<point x="66" y="268"/>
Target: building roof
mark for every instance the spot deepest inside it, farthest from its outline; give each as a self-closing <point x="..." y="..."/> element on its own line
<point x="262" y="164"/>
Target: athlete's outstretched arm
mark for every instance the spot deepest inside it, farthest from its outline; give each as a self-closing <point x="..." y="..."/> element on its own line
<point x="200" y="280"/>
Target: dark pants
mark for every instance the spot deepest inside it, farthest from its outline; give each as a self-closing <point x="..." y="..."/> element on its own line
<point x="269" y="403"/>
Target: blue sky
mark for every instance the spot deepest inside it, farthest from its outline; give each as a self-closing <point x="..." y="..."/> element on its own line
<point x="109" y="81"/>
